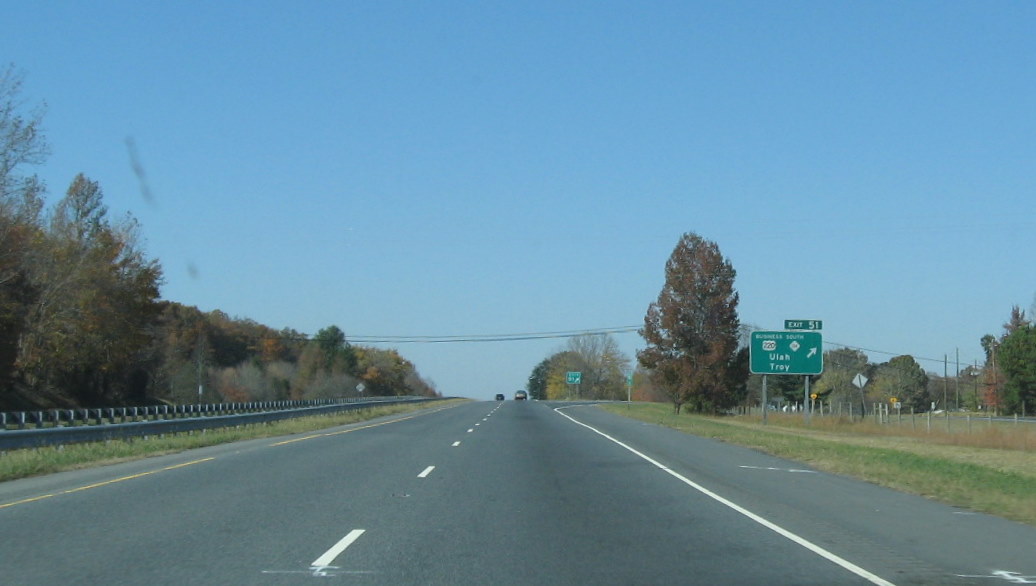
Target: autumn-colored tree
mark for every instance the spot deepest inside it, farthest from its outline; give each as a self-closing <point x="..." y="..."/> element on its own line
<point x="94" y="299"/>
<point x="644" y="389"/>
<point x="271" y="349"/>
<point x="387" y="373"/>
<point x="692" y="330"/>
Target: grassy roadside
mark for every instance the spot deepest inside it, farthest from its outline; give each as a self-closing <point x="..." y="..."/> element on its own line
<point x="998" y="481"/>
<point x="34" y="462"/>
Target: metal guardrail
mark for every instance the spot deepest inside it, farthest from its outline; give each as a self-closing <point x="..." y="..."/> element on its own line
<point x="58" y="427"/>
<point x="110" y="415"/>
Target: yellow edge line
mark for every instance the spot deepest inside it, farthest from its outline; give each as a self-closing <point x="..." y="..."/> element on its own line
<point x="142" y="474"/>
<point x="105" y="483"/>
<point x="30" y="500"/>
<point x="309" y="437"/>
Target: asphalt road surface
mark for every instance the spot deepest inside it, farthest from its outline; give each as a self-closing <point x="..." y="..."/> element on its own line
<point x="491" y="493"/>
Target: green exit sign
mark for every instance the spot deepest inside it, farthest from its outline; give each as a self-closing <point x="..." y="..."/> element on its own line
<point x="786" y="353"/>
<point x="573" y="378"/>
<point x="803" y="324"/>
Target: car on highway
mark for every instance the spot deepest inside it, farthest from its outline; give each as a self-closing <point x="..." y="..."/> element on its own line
<point x="499" y="396"/>
<point x="521" y="396"/>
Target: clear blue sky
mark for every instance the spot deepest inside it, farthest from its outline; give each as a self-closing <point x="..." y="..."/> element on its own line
<point x="451" y="168"/>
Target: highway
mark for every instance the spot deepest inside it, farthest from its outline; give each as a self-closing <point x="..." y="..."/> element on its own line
<point x="510" y="492"/>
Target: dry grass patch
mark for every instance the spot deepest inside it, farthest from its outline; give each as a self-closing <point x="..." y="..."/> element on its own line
<point x="997" y="481"/>
<point x="997" y="448"/>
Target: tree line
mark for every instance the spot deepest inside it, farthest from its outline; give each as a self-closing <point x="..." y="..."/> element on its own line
<point x="82" y="322"/>
<point x="697" y="356"/>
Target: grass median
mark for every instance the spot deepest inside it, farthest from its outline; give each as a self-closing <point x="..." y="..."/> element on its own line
<point x="38" y="461"/>
<point x="992" y="472"/>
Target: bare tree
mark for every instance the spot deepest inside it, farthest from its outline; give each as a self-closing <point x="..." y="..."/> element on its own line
<point x="21" y="144"/>
<point x="21" y="137"/>
<point x="603" y="366"/>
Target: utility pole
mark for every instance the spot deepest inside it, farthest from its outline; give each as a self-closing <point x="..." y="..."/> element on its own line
<point x="975" y="374"/>
<point x="996" y="384"/>
<point x="199" y="352"/>
<point x="956" y="383"/>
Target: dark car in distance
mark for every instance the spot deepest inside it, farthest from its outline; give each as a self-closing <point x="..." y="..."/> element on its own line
<point x="499" y="396"/>
<point x="521" y="396"/>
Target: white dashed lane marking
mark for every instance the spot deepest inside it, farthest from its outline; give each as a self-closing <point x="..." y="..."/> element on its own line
<point x="329" y="556"/>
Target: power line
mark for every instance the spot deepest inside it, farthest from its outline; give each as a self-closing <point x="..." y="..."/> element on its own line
<point x="370" y="339"/>
<point x="516" y="337"/>
<point x="886" y="353"/>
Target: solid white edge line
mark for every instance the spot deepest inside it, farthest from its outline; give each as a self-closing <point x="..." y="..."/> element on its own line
<point x="874" y="579"/>
<point x="426" y="472"/>
<point x="329" y="556"/>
